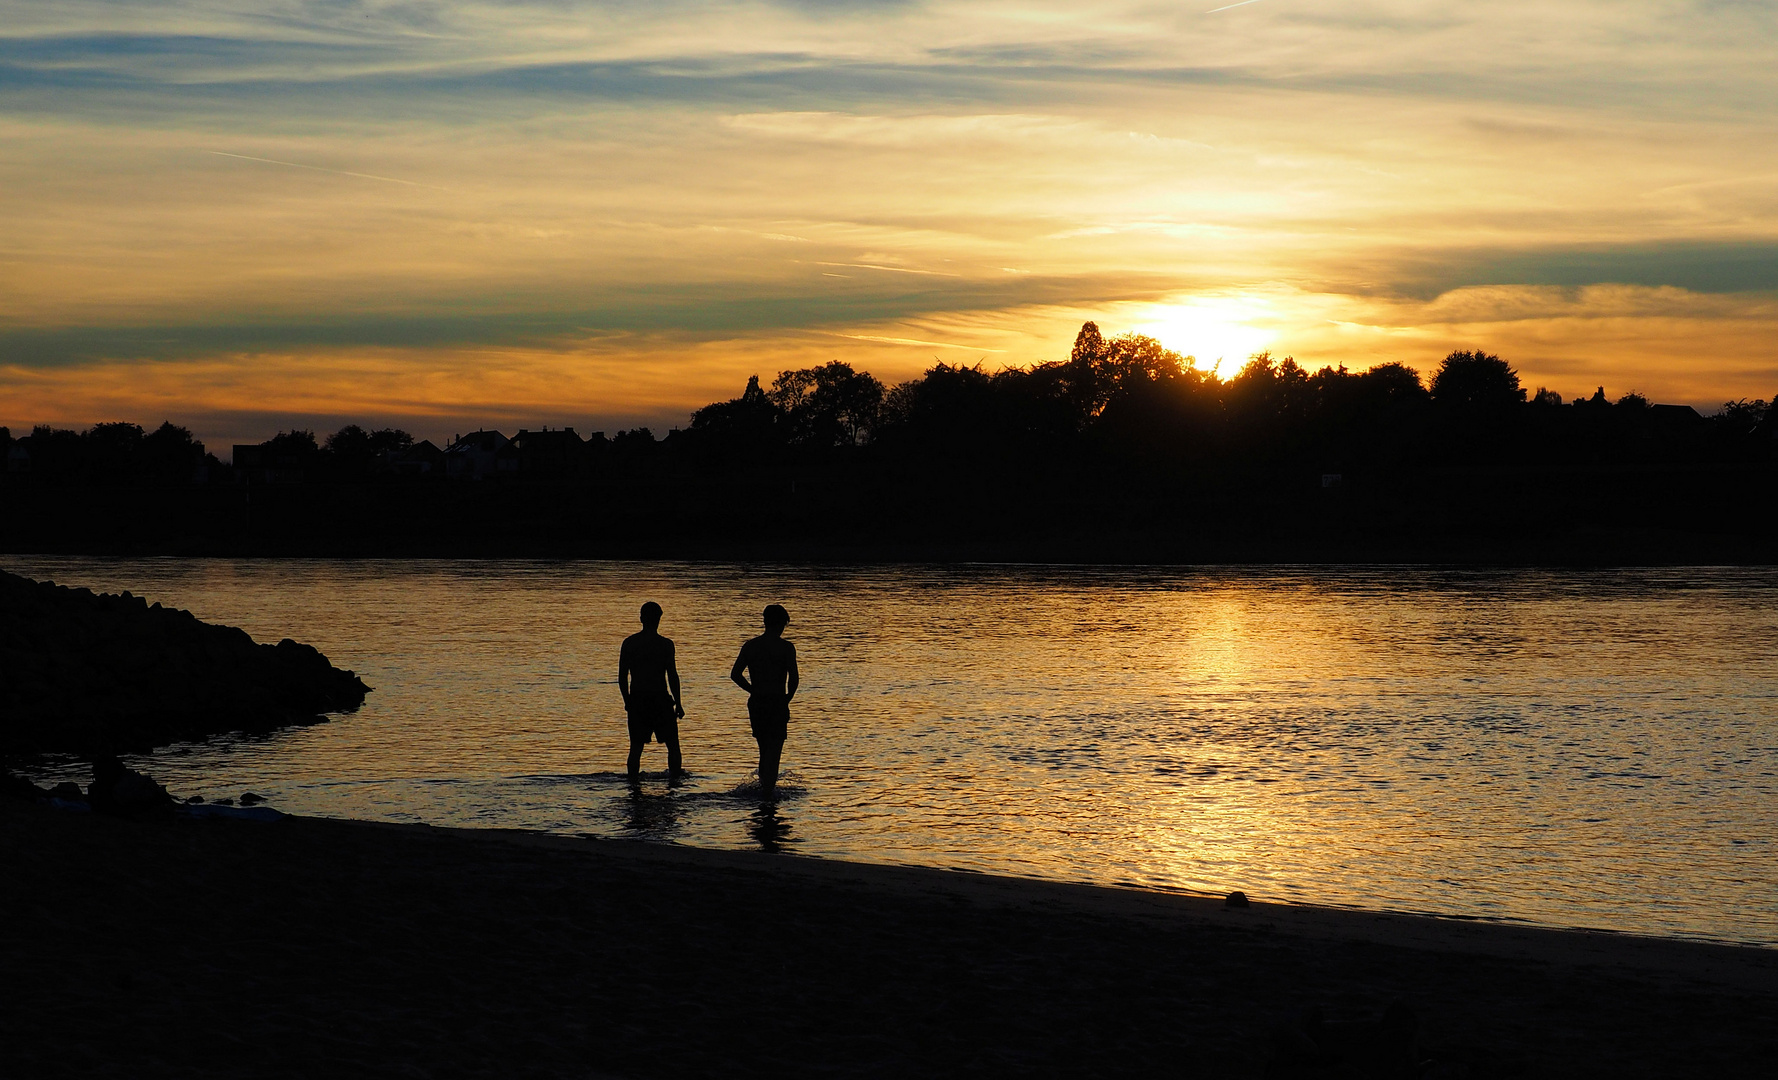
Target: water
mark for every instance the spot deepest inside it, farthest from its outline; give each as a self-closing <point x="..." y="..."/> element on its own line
<point x="1590" y="749"/>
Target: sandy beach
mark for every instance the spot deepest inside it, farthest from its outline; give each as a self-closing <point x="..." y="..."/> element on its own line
<point x="310" y="947"/>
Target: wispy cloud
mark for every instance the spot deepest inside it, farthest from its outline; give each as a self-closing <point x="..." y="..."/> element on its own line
<point x="889" y="269"/>
<point x="320" y="168"/>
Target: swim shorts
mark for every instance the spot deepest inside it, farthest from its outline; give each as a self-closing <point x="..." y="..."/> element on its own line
<point x="653" y="717"/>
<point x="769" y="717"/>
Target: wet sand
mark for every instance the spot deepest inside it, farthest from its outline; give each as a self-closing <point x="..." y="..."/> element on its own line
<point x="329" y="948"/>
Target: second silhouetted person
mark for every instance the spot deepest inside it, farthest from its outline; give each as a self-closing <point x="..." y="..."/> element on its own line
<point x="766" y="669"/>
<point x="648" y="678"/>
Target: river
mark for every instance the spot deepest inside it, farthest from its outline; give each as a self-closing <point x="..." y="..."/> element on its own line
<point x="1567" y="748"/>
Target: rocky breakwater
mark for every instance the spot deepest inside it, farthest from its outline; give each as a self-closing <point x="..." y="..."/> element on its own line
<point x="98" y="674"/>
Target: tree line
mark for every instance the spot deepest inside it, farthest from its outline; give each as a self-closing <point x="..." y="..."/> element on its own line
<point x="1130" y="400"/>
<point x="1126" y="402"/>
<point x="124" y="453"/>
<point x="1123" y="451"/>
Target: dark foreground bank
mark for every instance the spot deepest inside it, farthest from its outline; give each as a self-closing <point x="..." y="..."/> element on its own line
<point x="312" y="948"/>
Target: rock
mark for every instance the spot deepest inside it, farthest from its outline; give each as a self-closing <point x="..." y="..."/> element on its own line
<point x="17" y="787"/>
<point x="1236" y="899"/>
<point x="102" y="674"/>
<point x="125" y="792"/>
<point x="195" y="800"/>
<point x="67" y="791"/>
<point x="250" y="799"/>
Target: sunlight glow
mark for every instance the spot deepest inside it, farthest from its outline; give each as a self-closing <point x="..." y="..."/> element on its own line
<point x="1229" y="328"/>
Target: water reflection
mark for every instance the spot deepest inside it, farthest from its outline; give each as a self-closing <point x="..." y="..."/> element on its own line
<point x="769" y="829"/>
<point x="1578" y="748"/>
<point x="652" y="809"/>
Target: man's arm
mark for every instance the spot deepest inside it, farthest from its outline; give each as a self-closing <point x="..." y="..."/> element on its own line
<point x="793" y="676"/>
<point x="673" y="681"/>
<point x="740" y="666"/>
<point x="623" y="673"/>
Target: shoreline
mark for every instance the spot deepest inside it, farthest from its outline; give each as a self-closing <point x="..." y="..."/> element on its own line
<point x="307" y="945"/>
<point x="1429" y="930"/>
<point x="826" y="865"/>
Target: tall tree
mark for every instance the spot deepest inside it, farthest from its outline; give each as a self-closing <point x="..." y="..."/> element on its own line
<point x="830" y="405"/>
<point x="1476" y="381"/>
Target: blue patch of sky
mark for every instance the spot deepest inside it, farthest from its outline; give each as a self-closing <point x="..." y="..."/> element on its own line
<point x="691" y="309"/>
<point x="1697" y="266"/>
<point x="793" y="81"/>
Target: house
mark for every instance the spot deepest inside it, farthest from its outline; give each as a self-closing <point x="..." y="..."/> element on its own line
<point x="421" y="459"/>
<point x="480" y="455"/>
<point x="271" y="463"/>
<point x="1675" y="417"/>
<point x="550" y="453"/>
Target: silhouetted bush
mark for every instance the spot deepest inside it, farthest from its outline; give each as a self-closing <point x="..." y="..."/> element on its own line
<point x="1742" y="417"/>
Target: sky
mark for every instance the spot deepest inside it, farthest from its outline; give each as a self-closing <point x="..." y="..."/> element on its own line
<point x="248" y="217"/>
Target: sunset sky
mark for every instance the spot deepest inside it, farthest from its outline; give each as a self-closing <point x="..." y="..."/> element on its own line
<point x="251" y="216"/>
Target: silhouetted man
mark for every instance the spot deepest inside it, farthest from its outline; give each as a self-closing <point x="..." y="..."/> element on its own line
<point x="648" y="678"/>
<point x="771" y="662"/>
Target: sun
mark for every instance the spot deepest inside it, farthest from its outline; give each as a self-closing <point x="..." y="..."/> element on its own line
<point x="1211" y="328"/>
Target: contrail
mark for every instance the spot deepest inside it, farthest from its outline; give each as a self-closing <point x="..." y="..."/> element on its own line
<point x="891" y="269"/>
<point x="318" y="168"/>
<point x="1225" y="7"/>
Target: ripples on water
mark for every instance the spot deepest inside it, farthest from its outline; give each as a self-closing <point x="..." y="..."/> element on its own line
<point x="1570" y="748"/>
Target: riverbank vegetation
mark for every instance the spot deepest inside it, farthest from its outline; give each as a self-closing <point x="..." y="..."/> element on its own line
<point x="1122" y="451"/>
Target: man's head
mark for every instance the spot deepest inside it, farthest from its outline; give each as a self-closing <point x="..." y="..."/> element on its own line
<point x="651" y="614"/>
<point x="776" y="617"/>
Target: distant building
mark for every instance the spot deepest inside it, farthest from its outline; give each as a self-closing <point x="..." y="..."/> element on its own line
<point x="262" y="463"/>
<point x="549" y="453"/>
<point x="421" y="459"/>
<point x="1597" y="403"/>
<point x="1676" y="416"/>
<point x="480" y="455"/>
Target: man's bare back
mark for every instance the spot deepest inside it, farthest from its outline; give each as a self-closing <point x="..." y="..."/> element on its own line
<point x="769" y="661"/>
<point x="648" y="658"/>
<point x="766" y="669"/>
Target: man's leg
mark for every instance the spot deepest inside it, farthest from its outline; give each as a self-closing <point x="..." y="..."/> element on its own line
<point x="675" y="764"/>
<point x="636" y="756"/>
<point x="770" y="750"/>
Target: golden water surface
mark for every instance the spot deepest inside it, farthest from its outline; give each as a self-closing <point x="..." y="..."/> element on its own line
<point x="1569" y="748"/>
